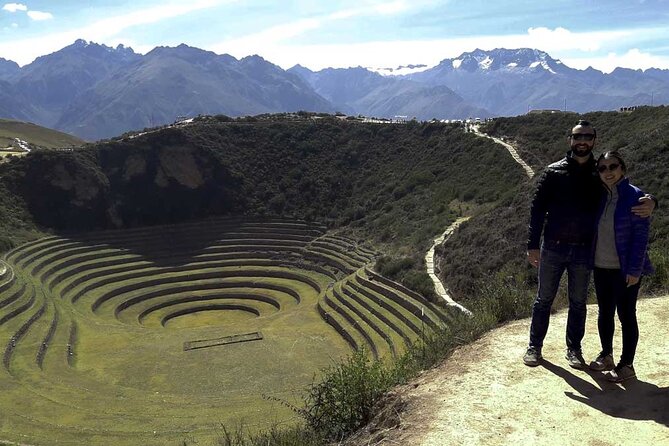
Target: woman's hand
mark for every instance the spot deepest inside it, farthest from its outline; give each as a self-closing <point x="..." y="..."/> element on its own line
<point x="631" y="280"/>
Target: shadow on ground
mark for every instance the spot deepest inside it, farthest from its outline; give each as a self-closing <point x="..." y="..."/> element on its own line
<point x="633" y="399"/>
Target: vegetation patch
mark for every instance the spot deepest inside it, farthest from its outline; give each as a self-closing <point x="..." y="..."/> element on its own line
<point x="100" y="321"/>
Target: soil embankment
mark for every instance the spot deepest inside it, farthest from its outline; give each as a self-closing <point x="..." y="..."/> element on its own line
<point x="484" y="395"/>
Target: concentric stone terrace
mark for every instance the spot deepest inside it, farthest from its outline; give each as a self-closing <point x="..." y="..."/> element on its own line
<point x="158" y="335"/>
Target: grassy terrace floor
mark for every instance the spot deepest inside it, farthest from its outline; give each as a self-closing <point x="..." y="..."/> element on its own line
<point x="94" y="328"/>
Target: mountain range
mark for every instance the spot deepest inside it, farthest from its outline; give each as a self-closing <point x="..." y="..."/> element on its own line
<point x="95" y="91"/>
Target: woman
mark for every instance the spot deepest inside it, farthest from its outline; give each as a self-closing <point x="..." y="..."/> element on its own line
<point x="620" y="259"/>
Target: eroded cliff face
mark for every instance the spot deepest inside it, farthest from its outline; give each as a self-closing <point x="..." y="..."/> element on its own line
<point x="84" y="185"/>
<point x="121" y="185"/>
<point x="135" y="165"/>
<point x="64" y="190"/>
<point x="179" y="164"/>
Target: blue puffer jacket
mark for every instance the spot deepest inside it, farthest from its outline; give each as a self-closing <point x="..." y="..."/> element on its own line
<point x="632" y="232"/>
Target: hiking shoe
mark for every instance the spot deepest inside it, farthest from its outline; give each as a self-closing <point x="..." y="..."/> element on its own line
<point x="621" y="372"/>
<point x="575" y="359"/>
<point x="532" y="357"/>
<point x="603" y="362"/>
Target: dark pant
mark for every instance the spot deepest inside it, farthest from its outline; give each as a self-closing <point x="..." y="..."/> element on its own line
<point x="555" y="259"/>
<point x="613" y="293"/>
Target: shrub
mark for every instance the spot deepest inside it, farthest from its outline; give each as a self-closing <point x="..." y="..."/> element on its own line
<point x="658" y="282"/>
<point x="342" y="402"/>
<point x="391" y="267"/>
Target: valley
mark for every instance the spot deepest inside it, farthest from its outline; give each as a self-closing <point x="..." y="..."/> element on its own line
<point x="97" y="328"/>
<point x="164" y="284"/>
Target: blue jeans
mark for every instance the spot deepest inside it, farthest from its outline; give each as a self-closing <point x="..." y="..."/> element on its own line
<point x="555" y="259"/>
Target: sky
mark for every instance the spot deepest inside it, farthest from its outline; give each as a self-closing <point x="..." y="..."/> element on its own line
<point x="371" y="33"/>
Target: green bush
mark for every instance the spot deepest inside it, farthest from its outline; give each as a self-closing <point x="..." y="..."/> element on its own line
<point x="659" y="257"/>
<point x="342" y="402"/>
<point x="392" y="267"/>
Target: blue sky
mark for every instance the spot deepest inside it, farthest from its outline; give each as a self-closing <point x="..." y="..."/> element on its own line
<point x="371" y="33"/>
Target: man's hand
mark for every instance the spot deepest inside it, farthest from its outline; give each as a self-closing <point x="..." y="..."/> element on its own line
<point x="645" y="207"/>
<point x="631" y="280"/>
<point x="533" y="257"/>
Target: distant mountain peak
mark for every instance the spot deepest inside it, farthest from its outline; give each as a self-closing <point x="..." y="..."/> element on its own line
<point x="89" y="49"/>
<point x="184" y="52"/>
<point x="526" y="59"/>
<point x="8" y="62"/>
<point x="253" y="58"/>
<point x="8" y="68"/>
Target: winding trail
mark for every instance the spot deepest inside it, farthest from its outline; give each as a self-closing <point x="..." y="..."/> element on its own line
<point x="528" y="170"/>
<point x="484" y="395"/>
<point x="429" y="263"/>
<point x="439" y="287"/>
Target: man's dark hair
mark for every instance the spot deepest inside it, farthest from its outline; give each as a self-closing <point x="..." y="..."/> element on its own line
<point x="585" y="123"/>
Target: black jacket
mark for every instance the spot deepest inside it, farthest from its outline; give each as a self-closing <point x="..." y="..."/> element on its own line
<point x="566" y="199"/>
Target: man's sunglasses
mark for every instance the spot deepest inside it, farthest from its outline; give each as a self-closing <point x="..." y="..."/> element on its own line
<point x="611" y="167"/>
<point x="583" y="136"/>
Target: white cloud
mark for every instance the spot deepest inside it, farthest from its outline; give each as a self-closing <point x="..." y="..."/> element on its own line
<point x="633" y="58"/>
<point x="13" y="7"/>
<point x="39" y="15"/>
<point x="560" y="43"/>
<point x="561" y="38"/>
<point x="392" y="7"/>
<point x="104" y="31"/>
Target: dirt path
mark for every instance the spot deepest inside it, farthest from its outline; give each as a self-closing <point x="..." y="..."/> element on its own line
<point x="484" y="395"/>
<point x="429" y="265"/>
<point x="528" y="170"/>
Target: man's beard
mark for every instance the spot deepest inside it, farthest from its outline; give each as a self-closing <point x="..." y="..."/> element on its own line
<point x="581" y="150"/>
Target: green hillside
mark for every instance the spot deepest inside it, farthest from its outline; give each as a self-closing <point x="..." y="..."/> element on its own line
<point x="261" y="230"/>
<point x="394" y="185"/>
<point x="35" y="135"/>
<point x="499" y="234"/>
<point x="158" y="286"/>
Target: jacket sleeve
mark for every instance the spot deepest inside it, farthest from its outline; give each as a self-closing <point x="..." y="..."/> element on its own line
<point x="640" y="233"/>
<point x="538" y="210"/>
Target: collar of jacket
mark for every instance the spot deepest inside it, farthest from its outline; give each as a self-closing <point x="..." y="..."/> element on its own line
<point x="621" y="187"/>
<point x="624" y="182"/>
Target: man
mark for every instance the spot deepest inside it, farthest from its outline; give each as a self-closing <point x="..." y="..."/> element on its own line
<point x="567" y="200"/>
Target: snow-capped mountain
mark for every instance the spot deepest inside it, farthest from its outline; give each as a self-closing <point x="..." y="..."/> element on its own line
<point x="96" y="91"/>
<point x="513" y="61"/>
<point x="509" y="82"/>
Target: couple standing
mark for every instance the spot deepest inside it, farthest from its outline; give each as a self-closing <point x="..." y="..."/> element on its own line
<point x="595" y="218"/>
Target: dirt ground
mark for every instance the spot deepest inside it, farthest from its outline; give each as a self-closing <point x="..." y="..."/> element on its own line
<point x="484" y="394"/>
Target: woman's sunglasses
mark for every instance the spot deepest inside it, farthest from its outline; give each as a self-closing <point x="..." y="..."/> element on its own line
<point x="611" y="167"/>
<point x="582" y="136"/>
